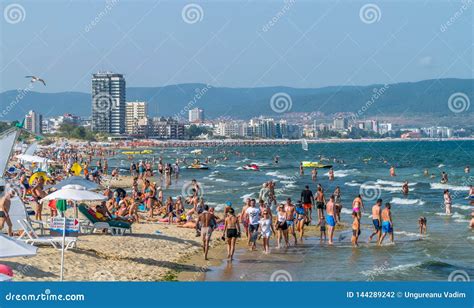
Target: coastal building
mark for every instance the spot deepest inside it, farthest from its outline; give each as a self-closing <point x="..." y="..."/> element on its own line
<point x="108" y="103"/>
<point x="437" y="132"/>
<point x="196" y="115"/>
<point x="166" y="128"/>
<point x="340" y="123"/>
<point x="52" y="125"/>
<point x="385" y="128"/>
<point x="34" y="122"/>
<point x="134" y="113"/>
<point x="231" y="129"/>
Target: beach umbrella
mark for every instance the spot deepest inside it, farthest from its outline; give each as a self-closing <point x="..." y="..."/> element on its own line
<point x="37" y="175"/>
<point x="76" y="168"/>
<point x="74" y="193"/>
<point x="77" y="180"/>
<point x="4" y="277"/>
<point x="33" y="158"/>
<point x="12" y="247"/>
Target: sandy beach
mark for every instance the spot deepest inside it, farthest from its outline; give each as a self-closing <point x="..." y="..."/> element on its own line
<point x="144" y="255"/>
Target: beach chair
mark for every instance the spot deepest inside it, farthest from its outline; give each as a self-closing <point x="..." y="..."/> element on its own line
<point x="30" y="236"/>
<point x="114" y="226"/>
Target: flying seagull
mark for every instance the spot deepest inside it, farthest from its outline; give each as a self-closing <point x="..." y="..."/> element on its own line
<point x="34" y="79"/>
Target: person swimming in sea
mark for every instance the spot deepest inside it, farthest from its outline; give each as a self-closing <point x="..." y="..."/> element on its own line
<point x="444" y="177"/>
<point x="405" y="188"/>
<point x="422" y="224"/>
<point x="392" y="171"/>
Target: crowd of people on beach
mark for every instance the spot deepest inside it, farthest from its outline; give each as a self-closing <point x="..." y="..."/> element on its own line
<point x="261" y="218"/>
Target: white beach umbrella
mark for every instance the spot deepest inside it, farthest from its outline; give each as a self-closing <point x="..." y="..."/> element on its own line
<point x="4" y="277"/>
<point x="76" y="180"/>
<point x="74" y="193"/>
<point x="33" y="158"/>
<point x="11" y="247"/>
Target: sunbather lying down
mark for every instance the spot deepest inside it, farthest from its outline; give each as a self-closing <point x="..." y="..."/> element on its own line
<point x="102" y="213"/>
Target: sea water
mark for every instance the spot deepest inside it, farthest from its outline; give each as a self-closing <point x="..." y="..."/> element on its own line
<point x="447" y="247"/>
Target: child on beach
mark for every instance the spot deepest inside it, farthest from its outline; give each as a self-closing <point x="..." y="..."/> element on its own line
<point x="322" y="229"/>
<point x="355" y="229"/>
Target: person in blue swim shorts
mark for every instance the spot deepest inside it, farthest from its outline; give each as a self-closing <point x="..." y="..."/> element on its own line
<point x="376" y="220"/>
<point x="331" y="218"/>
<point x="387" y="223"/>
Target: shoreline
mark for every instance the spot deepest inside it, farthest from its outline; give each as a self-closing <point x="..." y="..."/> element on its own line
<point x="218" y="254"/>
<point x="150" y="143"/>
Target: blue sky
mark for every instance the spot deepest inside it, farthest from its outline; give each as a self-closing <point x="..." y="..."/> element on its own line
<point x="235" y="43"/>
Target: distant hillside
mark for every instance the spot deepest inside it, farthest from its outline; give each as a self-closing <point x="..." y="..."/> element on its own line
<point x="428" y="96"/>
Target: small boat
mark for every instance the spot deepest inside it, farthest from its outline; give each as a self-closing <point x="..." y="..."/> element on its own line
<point x="253" y="167"/>
<point x="314" y="164"/>
<point x="198" y="166"/>
<point x="197" y="151"/>
<point x="137" y="152"/>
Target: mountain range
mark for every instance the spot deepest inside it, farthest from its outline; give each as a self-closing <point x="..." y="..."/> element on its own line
<point x="422" y="97"/>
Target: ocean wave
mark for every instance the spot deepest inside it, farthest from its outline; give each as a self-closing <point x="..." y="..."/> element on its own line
<point x="380" y="270"/>
<point x="353" y="183"/>
<point x="393" y="183"/>
<point x="260" y="164"/>
<point x="250" y="195"/>
<point x="343" y="173"/>
<point x="407" y="201"/>
<point x="221" y="180"/>
<point x="279" y="175"/>
<point x="239" y="168"/>
<point x="463" y="207"/>
<point x="441" y="165"/>
<point x="447" y="186"/>
<point x="244" y="184"/>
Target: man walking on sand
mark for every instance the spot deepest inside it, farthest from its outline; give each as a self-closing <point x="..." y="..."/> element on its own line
<point x="208" y="223"/>
<point x="5" y="204"/>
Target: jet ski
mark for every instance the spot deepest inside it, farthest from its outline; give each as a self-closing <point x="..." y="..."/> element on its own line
<point x="253" y="167"/>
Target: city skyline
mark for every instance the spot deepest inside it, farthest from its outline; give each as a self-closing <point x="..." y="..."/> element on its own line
<point x="334" y="45"/>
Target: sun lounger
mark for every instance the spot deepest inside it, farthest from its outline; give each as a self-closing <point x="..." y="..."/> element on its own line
<point x="30" y="236"/>
<point x="116" y="227"/>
